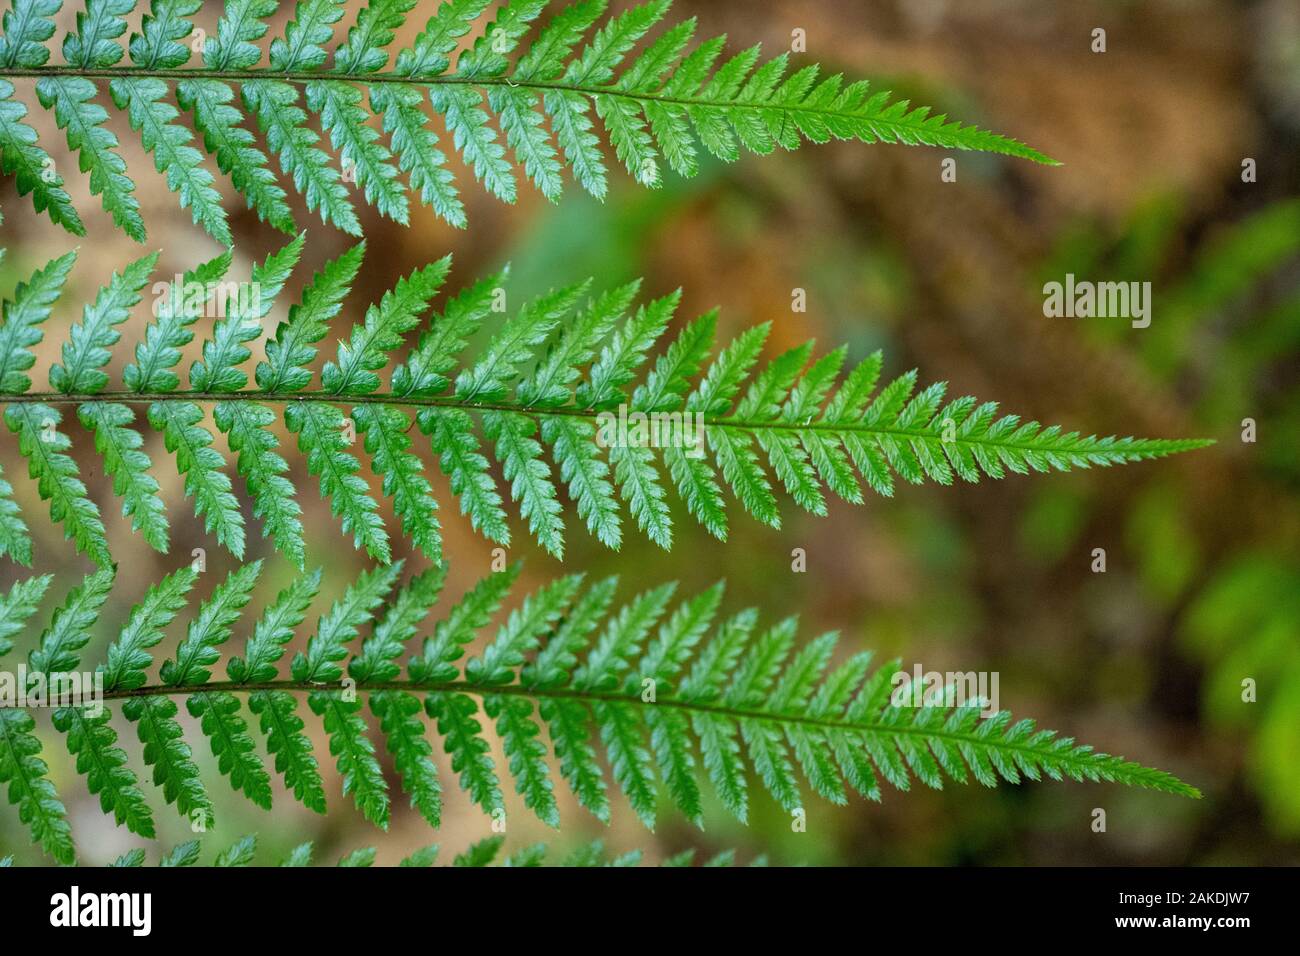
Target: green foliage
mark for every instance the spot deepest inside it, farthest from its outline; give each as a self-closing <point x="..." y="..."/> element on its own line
<point x="1231" y="588"/>
<point x="483" y="853"/>
<point x="658" y="107"/>
<point x="665" y="694"/>
<point x="572" y="393"/>
<point x="1240" y="624"/>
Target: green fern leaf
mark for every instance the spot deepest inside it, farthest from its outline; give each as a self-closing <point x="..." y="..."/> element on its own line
<point x="348" y="614"/>
<point x="218" y="370"/>
<point x="386" y="442"/>
<point x="355" y="754"/>
<point x="153" y="374"/>
<point x="282" y="122"/>
<point x="36" y="423"/>
<point x="235" y="149"/>
<point x="128" y="657"/>
<point x="543" y="103"/>
<point x="404" y="120"/>
<point x="451" y="432"/>
<point x="67" y="631"/>
<point x="278" y="718"/>
<point x="27" y="25"/>
<point x="19" y="331"/>
<point x="293" y="345"/>
<point x="55" y="473"/>
<point x="246" y="424"/>
<point x="85" y="354"/>
<point x="339" y="106"/>
<point x="182" y="855"/>
<point x="219" y="711"/>
<point x="190" y="442"/>
<point x="320" y="430"/>
<point x="18" y="605"/>
<point x="266" y="645"/>
<point x="90" y="737"/>
<point x="398" y="712"/>
<point x="239" y="854"/>
<point x="153" y="119"/>
<point x="362" y="776"/>
<point x="15" y="540"/>
<point x="30" y="788"/>
<point x="559" y="393"/>
<point x="662" y="700"/>
<point x="72" y="99"/>
<point x="519" y="732"/>
<point x="383" y="330"/>
<point x="31" y="166"/>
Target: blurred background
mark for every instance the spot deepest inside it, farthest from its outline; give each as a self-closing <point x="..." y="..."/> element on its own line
<point x="1202" y="587"/>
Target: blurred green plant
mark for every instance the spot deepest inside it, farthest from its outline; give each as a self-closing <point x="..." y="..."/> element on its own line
<point x="1233" y="296"/>
<point x="1243" y="625"/>
<point x="483" y="853"/>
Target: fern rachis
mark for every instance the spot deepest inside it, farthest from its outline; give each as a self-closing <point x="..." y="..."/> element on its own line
<point x="658" y="100"/>
<point x="650" y="687"/>
<point x="553" y="381"/>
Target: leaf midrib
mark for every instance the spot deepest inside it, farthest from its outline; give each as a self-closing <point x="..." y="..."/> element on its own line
<point x="735" y="424"/>
<point x="517" y="690"/>
<point x="541" y="86"/>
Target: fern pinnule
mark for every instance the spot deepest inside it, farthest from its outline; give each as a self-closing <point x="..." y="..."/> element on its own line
<point x="576" y="393"/>
<point x="665" y="694"/>
<point x="548" y="85"/>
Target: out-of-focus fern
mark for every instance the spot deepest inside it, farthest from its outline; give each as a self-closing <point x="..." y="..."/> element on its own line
<point x="592" y="382"/>
<point x="658" y="98"/>
<point x="485" y="852"/>
<point x="1231" y="589"/>
<point x="662" y="693"/>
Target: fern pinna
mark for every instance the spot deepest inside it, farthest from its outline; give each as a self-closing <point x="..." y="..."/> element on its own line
<point x="595" y="677"/>
<point x="595" y="380"/>
<point x="657" y="106"/>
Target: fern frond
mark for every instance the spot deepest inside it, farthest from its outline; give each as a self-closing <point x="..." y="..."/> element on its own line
<point x="484" y="853"/>
<point x="666" y="694"/>
<point x="575" y="394"/>
<point x="536" y="92"/>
